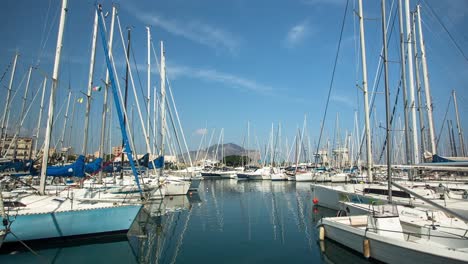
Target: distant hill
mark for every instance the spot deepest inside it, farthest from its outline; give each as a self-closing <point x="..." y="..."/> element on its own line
<point x="229" y="149"/>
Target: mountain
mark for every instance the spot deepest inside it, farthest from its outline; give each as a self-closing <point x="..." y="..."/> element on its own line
<point x="229" y="149"/>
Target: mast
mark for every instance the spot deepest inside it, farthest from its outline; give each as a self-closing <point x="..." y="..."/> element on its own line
<point x="125" y="98"/>
<point x="66" y="118"/>
<point x="154" y="119"/>
<point x="71" y="128"/>
<point x="163" y="104"/>
<point x="50" y="117"/>
<point x="41" y="108"/>
<point x="128" y="149"/>
<point x="419" y="88"/>
<point x="460" y="129"/>
<point x="403" y="84"/>
<point x="18" y="127"/>
<point x="387" y="103"/>
<point x="148" y="99"/>
<point x="366" y="96"/>
<point x="90" y="83"/>
<point x="7" y="105"/>
<point x="106" y="90"/>
<point x="453" y="147"/>
<point x="426" y="83"/>
<point x="412" y="103"/>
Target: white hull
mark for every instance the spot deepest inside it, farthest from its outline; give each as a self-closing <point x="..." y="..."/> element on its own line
<point x="388" y="249"/>
<point x="176" y="187"/>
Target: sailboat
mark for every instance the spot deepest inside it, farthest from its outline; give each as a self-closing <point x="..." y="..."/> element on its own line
<point x="33" y="216"/>
<point x="381" y="234"/>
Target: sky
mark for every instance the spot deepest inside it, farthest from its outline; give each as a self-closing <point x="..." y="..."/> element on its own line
<point x="230" y="63"/>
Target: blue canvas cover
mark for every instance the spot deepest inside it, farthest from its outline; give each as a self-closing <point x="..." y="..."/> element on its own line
<point x="143" y="161"/>
<point x="94" y="166"/>
<point x="112" y="168"/>
<point x="158" y="162"/>
<point x="76" y="169"/>
<point x="16" y="165"/>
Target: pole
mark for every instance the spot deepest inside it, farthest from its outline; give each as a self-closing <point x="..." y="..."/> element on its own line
<point x="41" y="109"/>
<point x="412" y="103"/>
<point x="426" y="84"/>
<point x="148" y="99"/>
<point x="419" y="89"/>
<point x="66" y="118"/>
<point x="18" y="127"/>
<point x="50" y="117"/>
<point x="106" y="90"/>
<point x="453" y="147"/>
<point x="403" y="85"/>
<point x="7" y="102"/>
<point x="90" y="83"/>
<point x="163" y="103"/>
<point x="125" y="99"/>
<point x="460" y="129"/>
<point x="366" y="96"/>
<point x="387" y="103"/>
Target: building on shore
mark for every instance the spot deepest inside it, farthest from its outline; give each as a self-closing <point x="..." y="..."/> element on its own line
<point x="16" y="148"/>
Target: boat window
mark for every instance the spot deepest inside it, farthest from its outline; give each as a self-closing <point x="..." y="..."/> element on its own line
<point x="395" y="193"/>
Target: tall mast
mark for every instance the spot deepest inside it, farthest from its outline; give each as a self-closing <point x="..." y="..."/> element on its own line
<point x="366" y="96"/>
<point x="106" y="90"/>
<point x="387" y="103"/>
<point x="71" y="127"/>
<point x="412" y="102"/>
<point x="163" y="103"/>
<point x="90" y="82"/>
<point x="7" y="102"/>
<point x="125" y="98"/>
<point x="148" y="99"/>
<point x="403" y="84"/>
<point x="41" y="109"/>
<point x="460" y="129"/>
<point x="50" y="117"/>
<point x="155" y="111"/>
<point x="18" y="127"/>
<point x="453" y="147"/>
<point x="419" y="88"/>
<point x="66" y="119"/>
<point x="426" y="84"/>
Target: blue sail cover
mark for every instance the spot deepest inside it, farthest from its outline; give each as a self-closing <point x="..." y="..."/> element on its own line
<point x="437" y="158"/>
<point x="16" y="165"/>
<point x="112" y="168"/>
<point x="76" y="169"/>
<point x="143" y="161"/>
<point x="94" y="166"/>
<point x="158" y="162"/>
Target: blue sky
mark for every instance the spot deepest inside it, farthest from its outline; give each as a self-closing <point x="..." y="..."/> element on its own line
<point x="230" y="62"/>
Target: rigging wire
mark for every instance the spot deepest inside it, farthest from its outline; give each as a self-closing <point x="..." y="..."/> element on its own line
<point x="332" y="78"/>
<point x="443" y="122"/>
<point x="446" y="30"/>
<point x="376" y="83"/>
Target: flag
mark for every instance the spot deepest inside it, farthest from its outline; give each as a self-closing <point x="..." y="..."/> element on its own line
<point x="97" y="88"/>
<point x="80" y="100"/>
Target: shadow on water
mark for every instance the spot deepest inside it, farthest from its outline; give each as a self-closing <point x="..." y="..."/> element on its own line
<point x="226" y="221"/>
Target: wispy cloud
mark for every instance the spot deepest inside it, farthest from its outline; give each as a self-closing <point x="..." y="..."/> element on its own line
<point x="216" y="76"/>
<point x="201" y="131"/>
<point x="297" y="33"/>
<point x="194" y="30"/>
<point x="342" y="100"/>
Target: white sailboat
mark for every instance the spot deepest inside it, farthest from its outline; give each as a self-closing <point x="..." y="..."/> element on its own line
<point x="34" y="216"/>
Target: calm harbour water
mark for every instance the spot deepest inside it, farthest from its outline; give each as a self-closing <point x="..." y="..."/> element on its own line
<point x="227" y="221"/>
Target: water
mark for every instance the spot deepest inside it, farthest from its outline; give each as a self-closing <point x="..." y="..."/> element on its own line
<point x="225" y="222"/>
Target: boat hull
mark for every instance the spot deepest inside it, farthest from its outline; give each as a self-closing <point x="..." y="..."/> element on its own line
<point x="388" y="251"/>
<point x="64" y="224"/>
